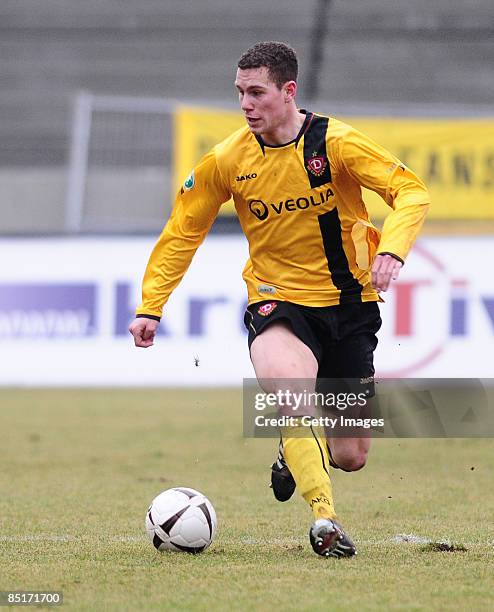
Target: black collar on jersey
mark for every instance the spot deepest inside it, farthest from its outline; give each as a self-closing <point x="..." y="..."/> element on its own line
<point x="316" y="161"/>
<point x="303" y="129"/>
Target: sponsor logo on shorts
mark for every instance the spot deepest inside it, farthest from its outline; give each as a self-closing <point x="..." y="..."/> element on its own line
<point x="368" y="379"/>
<point x="317" y="164"/>
<point x="266" y="309"/>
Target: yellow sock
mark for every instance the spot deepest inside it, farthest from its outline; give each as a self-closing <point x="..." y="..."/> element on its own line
<point x="307" y="458"/>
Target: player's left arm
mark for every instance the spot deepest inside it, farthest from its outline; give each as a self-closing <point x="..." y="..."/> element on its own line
<point x="404" y="192"/>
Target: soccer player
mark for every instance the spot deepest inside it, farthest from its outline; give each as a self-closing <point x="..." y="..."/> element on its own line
<point x="316" y="263"/>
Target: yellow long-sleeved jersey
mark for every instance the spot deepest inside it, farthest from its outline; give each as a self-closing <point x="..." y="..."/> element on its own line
<point x="300" y="206"/>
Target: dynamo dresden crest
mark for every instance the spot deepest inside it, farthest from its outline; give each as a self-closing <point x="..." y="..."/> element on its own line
<point x="267" y="309"/>
<point x="317" y="164"/>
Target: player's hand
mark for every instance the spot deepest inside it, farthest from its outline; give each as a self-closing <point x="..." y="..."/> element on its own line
<point x="384" y="269"/>
<point x="143" y="330"/>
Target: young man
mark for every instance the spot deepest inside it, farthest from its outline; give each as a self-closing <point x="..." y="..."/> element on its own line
<point x="316" y="262"/>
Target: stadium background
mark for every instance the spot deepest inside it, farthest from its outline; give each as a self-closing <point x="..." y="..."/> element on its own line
<point x="99" y="120"/>
<point x="106" y="106"/>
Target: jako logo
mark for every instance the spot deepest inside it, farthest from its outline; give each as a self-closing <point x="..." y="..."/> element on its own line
<point x="246" y="177"/>
<point x="261" y="210"/>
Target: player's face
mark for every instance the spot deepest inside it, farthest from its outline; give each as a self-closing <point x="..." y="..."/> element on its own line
<point x="261" y="101"/>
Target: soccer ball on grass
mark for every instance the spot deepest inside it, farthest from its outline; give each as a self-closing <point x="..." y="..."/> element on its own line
<point x="181" y="519"/>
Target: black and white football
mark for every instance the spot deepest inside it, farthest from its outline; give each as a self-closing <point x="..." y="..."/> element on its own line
<point x="181" y="519"/>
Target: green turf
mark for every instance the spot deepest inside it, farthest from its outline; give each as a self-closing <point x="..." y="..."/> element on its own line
<point x="79" y="468"/>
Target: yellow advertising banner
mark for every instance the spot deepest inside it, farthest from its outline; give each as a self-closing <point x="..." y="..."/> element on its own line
<point x="196" y="131"/>
<point x="454" y="157"/>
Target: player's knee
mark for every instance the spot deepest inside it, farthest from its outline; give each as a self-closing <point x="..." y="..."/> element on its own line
<point x="279" y="372"/>
<point x="352" y="462"/>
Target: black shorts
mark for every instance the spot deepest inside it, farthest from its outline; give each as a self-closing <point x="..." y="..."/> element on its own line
<point x="342" y="338"/>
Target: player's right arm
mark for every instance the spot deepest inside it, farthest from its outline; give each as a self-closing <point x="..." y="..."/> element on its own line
<point x="196" y="207"/>
<point x="144" y="329"/>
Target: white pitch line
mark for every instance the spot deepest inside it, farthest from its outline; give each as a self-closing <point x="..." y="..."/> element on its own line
<point x="404" y="538"/>
<point x="71" y="538"/>
<point x="398" y="539"/>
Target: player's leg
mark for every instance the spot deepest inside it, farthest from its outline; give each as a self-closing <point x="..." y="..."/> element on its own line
<point x="283" y="362"/>
<point x="353" y="358"/>
<point x="355" y="341"/>
<point x="286" y="350"/>
<point x="349" y="454"/>
<point x="278" y="354"/>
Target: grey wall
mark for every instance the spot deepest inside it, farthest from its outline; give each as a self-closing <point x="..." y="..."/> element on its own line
<point x="375" y="52"/>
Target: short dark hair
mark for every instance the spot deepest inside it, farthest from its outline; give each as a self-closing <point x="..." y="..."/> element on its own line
<point x="279" y="58"/>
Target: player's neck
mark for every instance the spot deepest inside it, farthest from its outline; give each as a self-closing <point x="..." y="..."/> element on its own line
<point x="287" y="131"/>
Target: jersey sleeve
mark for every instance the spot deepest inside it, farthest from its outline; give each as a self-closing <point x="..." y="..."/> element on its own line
<point x="375" y="168"/>
<point x="196" y="207"/>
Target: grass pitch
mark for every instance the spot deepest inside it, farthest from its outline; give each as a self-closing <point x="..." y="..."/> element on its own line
<point x="79" y="468"/>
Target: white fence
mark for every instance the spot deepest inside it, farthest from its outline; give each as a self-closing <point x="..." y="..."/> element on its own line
<point x="121" y="164"/>
<point x="66" y="304"/>
<point x="121" y="148"/>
